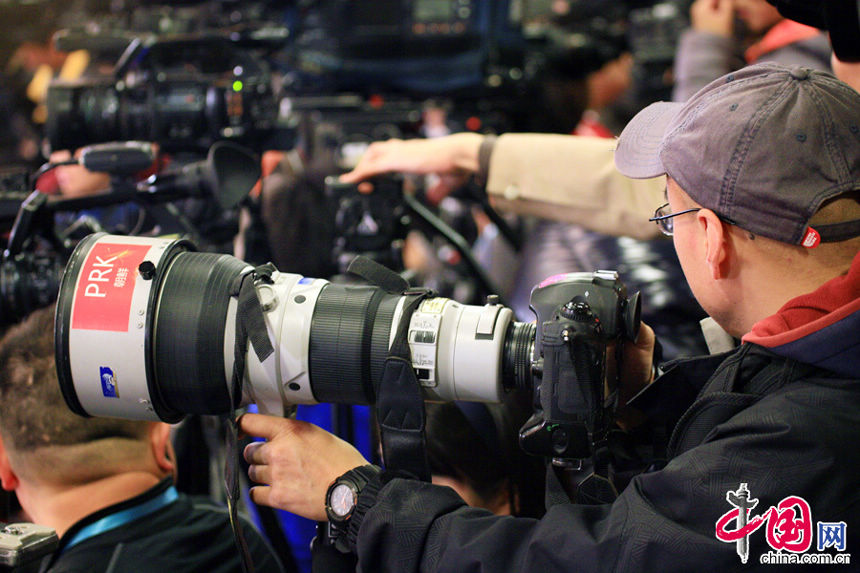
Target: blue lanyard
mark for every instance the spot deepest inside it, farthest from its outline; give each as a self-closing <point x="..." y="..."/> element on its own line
<point x="114" y="520"/>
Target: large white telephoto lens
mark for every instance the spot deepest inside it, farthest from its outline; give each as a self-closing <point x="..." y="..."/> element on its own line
<point x="145" y="329"/>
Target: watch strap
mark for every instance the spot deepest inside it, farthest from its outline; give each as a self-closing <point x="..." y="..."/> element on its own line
<point x="366" y="500"/>
<point x="359" y="477"/>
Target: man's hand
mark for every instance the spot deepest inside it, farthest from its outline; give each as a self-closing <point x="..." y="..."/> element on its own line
<point x="637" y="372"/>
<point x="713" y="16"/>
<point x="453" y="158"/>
<point x="77" y="180"/>
<point x="296" y="463"/>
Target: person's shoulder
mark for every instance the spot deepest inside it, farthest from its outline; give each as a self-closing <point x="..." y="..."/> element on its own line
<point x="204" y="511"/>
<point x="805" y="400"/>
<point x="81" y="562"/>
<point x="214" y="515"/>
<point x="192" y="534"/>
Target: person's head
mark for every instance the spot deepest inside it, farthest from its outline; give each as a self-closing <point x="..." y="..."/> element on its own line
<point x="42" y="442"/>
<point x="586" y="66"/>
<point x="473" y="448"/>
<point x="768" y="161"/>
<point x="607" y="84"/>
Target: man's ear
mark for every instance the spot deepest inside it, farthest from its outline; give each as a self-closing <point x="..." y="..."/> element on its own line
<point x="8" y="477"/>
<point x="717" y="247"/>
<point x="162" y="447"/>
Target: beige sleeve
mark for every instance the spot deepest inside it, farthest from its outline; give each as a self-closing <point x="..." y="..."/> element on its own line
<point x="572" y="179"/>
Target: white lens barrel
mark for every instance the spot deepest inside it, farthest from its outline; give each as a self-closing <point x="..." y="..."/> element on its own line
<point x="144" y="329"/>
<point x="457" y="349"/>
<point x="107" y="324"/>
<point x="282" y="379"/>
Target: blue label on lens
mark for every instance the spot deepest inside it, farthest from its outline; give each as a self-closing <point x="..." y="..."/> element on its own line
<point x="305" y="281"/>
<point x="109" y="388"/>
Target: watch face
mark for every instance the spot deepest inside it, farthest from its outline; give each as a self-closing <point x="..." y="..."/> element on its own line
<point x="342" y="500"/>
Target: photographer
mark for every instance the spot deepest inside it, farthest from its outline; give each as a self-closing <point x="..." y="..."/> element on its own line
<point x="104" y="485"/>
<point x="767" y="227"/>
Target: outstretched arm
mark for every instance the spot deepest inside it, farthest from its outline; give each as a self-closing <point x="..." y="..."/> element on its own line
<point x="453" y="158"/>
<point x="561" y="177"/>
<point x="451" y="154"/>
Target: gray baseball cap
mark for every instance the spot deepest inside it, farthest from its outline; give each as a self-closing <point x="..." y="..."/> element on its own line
<point x="762" y="147"/>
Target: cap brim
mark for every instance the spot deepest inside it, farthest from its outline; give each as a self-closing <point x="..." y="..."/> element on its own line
<point x="637" y="153"/>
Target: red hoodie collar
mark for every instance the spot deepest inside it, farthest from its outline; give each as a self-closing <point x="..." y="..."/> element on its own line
<point x="785" y="33"/>
<point x="808" y="313"/>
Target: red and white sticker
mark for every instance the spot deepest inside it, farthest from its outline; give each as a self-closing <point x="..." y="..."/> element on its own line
<point x="106" y="286"/>
<point x="811" y="238"/>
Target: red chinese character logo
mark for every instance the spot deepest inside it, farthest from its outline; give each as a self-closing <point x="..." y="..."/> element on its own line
<point x="789" y="523"/>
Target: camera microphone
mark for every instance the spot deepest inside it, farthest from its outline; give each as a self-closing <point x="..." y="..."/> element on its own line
<point x="118" y="158"/>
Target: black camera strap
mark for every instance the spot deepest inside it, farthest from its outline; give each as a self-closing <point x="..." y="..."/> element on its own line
<point x="399" y="398"/>
<point x="250" y="325"/>
<point x="399" y="408"/>
<point x="400" y="404"/>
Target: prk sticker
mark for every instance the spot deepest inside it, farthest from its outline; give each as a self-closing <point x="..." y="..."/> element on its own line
<point x="105" y="287"/>
<point x="108" y="378"/>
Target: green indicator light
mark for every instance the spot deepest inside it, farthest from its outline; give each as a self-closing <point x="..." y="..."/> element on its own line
<point x="237" y="86"/>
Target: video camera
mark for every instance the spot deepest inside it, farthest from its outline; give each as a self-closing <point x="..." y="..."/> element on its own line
<point x="147" y="328"/>
<point x="183" y="91"/>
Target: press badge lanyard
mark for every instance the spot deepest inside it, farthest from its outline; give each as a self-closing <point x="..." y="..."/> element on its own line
<point x="119" y="518"/>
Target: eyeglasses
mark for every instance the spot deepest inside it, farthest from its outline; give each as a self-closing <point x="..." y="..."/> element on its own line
<point x="664" y="218"/>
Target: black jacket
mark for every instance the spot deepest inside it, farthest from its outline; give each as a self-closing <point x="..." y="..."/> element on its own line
<point x="190" y="534"/>
<point x="782" y="427"/>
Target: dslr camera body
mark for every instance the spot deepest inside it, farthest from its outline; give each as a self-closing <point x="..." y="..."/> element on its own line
<point x="582" y="321"/>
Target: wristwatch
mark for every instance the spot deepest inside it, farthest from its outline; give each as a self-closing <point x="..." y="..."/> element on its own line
<point x="341" y="499"/>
